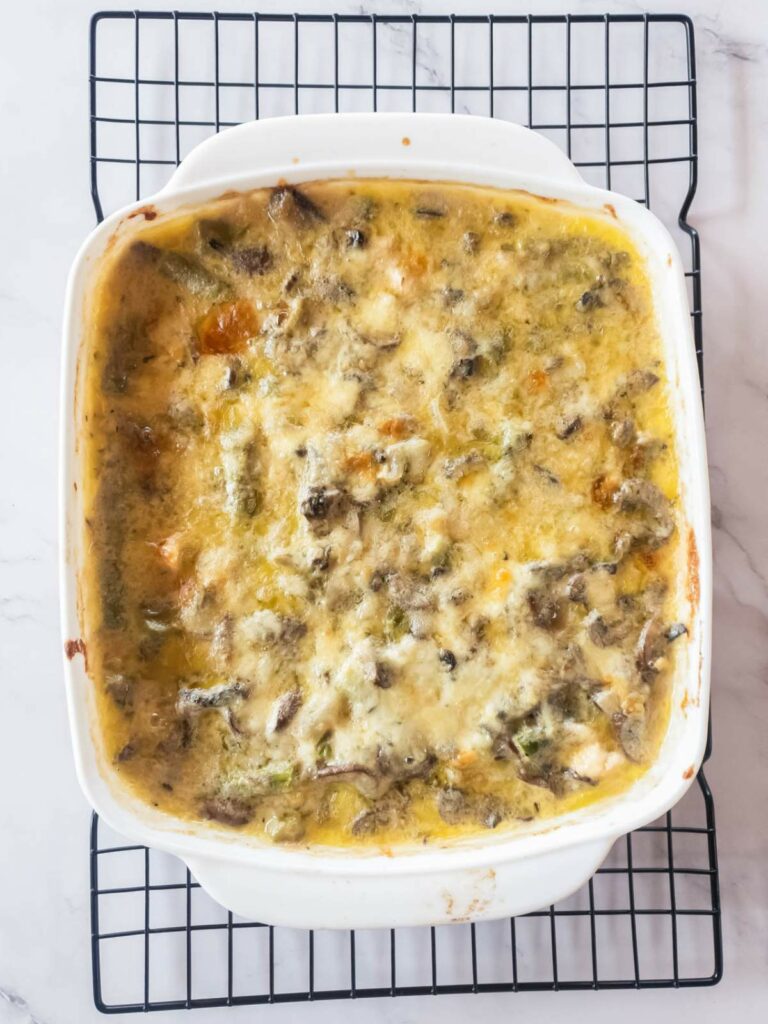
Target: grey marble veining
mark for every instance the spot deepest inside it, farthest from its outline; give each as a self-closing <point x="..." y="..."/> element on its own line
<point x="44" y="947"/>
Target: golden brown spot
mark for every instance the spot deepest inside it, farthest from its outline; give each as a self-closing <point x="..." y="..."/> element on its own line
<point x="612" y="210"/>
<point x="406" y="141"/>
<point x="688" y="773"/>
<point x="414" y="262"/>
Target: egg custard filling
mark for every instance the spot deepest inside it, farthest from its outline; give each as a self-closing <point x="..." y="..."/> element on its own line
<point x="382" y="511"/>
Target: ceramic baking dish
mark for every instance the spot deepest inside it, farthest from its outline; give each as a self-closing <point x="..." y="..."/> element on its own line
<point x="491" y="875"/>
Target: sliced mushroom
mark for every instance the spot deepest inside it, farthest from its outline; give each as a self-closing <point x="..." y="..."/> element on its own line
<point x="458" y="467"/>
<point x="235" y="375"/>
<point x="638" y="382"/>
<point x="535" y="776"/>
<point x="379" y="674"/>
<point x="589" y="300"/>
<point x="409" y="592"/>
<point x="546" y="608"/>
<point x="452" y="805"/>
<point x="623" y="432"/>
<point x="658" y="521"/>
<point x="631" y="734"/>
<point x="567" y="426"/>
<point x="254" y="261"/>
<point x="516" y="436"/>
<point x="505" y="219"/>
<point x="212" y="697"/>
<point x="410" y="768"/>
<point x="287" y="201"/>
<point x="556" y="779"/>
<point x="651" y="645"/>
<point x="465" y="355"/>
<point x="284" y="710"/>
<point x="452" y="296"/>
<point x="320" y="562"/>
<point x="552" y="571"/>
<point x="603" y="633"/>
<point x="547" y="475"/>
<point x="470" y="242"/>
<point x="576" y="588"/>
<point x="403" y="461"/>
<point x="490" y="811"/>
<point x="121" y="689"/>
<point x="429" y="212"/>
<point x="265" y="628"/>
<point x="227" y="811"/>
<point x="321" y="504"/>
<point x="675" y="630"/>
<point x="387" y="812"/>
<point x="354" y="238"/>
<point x="447" y="658"/>
<point x="502" y="748"/>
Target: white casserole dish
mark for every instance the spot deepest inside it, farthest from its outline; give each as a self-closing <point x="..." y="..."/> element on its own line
<point x="492" y="875"/>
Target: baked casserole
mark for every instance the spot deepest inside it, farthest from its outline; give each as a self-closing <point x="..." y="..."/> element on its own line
<point x="382" y="511"/>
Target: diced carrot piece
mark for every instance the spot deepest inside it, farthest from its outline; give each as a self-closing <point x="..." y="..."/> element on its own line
<point x="360" y="462"/>
<point x="537" y="380"/>
<point x="398" y="426"/>
<point x="227" y="327"/>
<point x="465" y="758"/>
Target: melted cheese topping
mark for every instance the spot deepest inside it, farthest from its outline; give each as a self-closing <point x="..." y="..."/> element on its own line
<point x="382" y="503"/>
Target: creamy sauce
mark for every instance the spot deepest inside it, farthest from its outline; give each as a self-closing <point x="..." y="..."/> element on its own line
<point x="382" y="506"/>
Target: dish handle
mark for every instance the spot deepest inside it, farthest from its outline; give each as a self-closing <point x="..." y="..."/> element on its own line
<point x="289" y="144"/>
<point x="447" y="893"/>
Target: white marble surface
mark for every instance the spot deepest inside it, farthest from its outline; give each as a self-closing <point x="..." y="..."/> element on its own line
<point x="44" y="940"/>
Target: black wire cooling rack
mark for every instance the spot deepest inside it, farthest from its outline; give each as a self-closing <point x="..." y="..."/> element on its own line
<point x="618" y="94"/>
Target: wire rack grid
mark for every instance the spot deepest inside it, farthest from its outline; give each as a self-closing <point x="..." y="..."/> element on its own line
<point x="618" y="94"/>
